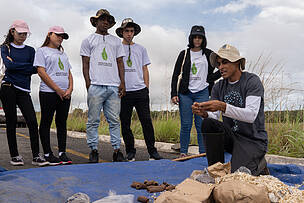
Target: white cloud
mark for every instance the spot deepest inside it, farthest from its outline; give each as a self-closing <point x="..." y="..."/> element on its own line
<point x="276" y="30"/>
<point x="163" y="45"/>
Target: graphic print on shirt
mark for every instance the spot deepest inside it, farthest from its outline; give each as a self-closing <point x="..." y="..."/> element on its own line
<point x="234" y="98"/>
<point x="61" y="68"/>
<point x="104" y="54"/>
<point x="129" y="62"/>
<point x="60" y="64"/>
<point x="194" y="69"/>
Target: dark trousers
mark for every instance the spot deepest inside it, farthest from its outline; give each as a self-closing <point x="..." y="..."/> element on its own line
<point x="49" y="103"/>
<point x="12" y="97"/>
<point x="140" y="100"/>
<point x="219" y="138"/>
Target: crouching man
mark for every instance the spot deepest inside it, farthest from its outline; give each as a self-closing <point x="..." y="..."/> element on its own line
<point x="239" y="97"/>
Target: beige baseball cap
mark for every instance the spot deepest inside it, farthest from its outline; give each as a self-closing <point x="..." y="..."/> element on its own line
<point x="227" y="52"/>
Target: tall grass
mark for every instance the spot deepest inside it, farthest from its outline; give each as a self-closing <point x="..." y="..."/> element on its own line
<point x="285" y="127"/>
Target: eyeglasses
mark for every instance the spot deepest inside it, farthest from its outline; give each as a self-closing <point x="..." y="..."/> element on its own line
<point x="23" y="34"/>
<point x="223" y="62"/>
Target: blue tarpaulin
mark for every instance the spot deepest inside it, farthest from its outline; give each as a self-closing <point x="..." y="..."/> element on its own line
<point x="57" y="183"/>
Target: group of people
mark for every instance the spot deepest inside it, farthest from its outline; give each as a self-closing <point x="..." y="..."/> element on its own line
<point x="53" y="67"/>
<point x="117" y="80"/>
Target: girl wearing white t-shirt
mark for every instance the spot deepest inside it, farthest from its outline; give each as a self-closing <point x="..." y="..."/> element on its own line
<point x="195" y="85"/>
<point x="55" y="92"/>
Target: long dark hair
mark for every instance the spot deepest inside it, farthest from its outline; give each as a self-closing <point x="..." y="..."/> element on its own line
<point x="47" y="41"/>
<point x="8" y="38"/>
<point x="191" y="45"/>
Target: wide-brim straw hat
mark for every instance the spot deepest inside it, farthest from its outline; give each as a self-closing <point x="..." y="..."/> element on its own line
<point x="227" y="52"/>
<point x="100" y="13"/>
<point x="126" y="23"/>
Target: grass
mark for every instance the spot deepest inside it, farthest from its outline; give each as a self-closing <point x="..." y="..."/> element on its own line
<point x="285" y="132"/>
<point x="285" y="128"/>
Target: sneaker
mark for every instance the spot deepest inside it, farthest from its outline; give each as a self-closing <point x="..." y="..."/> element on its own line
<point x="65" y="159"/>
<point x="131" y="156"/>
<point x="53" y="160"/>
<point x="93" y="157"/>
<point x="118" y="156"/>
<point x="39" y="161"/>
<point x="17" y="161"/>
<point x="155" y="156"/>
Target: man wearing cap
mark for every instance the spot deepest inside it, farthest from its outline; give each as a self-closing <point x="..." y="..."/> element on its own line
<point x="136" y="64"/>
<point x="239" y="97"/>
<point x="103" y="71"/>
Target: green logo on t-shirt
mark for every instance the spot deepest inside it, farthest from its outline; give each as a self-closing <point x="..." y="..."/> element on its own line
<point x="194" y="69"/>
<point x="60" y="64"/>
<point x="129" y="62"/>
<point x="104" y="54"/>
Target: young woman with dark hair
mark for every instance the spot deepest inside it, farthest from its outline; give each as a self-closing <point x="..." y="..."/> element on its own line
<point x="15" y="90"/>
<point x="55" y="92"/>
<point x="195" y="85"/>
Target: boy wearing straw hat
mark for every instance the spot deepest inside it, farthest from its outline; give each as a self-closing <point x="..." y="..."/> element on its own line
<point x="239" y="97"/>
<point x="136" y="64"/>
<point x="103" y="71"/>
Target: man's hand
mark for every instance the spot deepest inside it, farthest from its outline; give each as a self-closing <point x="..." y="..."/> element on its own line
<point x="67" y="94"/>
<point x="60" y="93"/>
<point x="213" y="105"/>
<point x="175" y="100"/>
<point x="196" y="110"/>
<point x="121" y="90"/>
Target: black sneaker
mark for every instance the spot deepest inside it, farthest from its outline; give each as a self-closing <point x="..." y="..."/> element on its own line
<point x="118" y="156"/>
<point x="93" y="157"/>
<point x="53" y="160"/>
<point x="40" y="161"/>
<point x="17" y="161"/>
<point x="131" y="156"/>
<point x="65" y="159"/>
<point x="155" y="156"/>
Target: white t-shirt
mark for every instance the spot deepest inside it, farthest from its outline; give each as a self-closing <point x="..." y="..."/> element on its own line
<point x="198" y="72"/>
<point x="57" y="66"/>
<point x="103" y="51"/>
<point x="134" y="77"/>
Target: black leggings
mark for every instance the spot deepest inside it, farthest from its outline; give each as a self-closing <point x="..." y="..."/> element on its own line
<point x="12" y="97"/>
<point x="49" y="103"/>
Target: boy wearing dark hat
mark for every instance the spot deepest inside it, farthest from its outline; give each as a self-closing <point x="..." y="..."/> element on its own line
<point x="103" y="71"/>
<point x="136" y="64"/>
<point x="239" y="96"/>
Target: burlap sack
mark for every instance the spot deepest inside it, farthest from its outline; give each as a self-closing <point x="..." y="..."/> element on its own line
<point x="219" y="169"/>
<point x="237" y="191"/>
<point x="189" y="191"/>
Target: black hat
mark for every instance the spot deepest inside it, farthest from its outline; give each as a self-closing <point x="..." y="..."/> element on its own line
<point x="197" y="30"/>
<point x="128" y="22"/>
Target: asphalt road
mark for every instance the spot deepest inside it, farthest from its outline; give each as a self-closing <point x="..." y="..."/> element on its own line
<point x="77" y="150"/>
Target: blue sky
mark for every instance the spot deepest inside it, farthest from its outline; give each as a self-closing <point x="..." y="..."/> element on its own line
<point x="272" y="28"/>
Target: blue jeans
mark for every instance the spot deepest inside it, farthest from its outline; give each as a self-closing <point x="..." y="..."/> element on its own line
<point x="106" y="98"/>
<point x="186" y="116"/>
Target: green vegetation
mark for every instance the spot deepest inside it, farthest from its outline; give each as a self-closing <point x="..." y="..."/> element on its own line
<point x="285" y="132"/>
<point x="285" y="128"/>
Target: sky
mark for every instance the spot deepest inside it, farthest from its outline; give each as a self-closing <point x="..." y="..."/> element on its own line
<point x="269" y="34"/>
